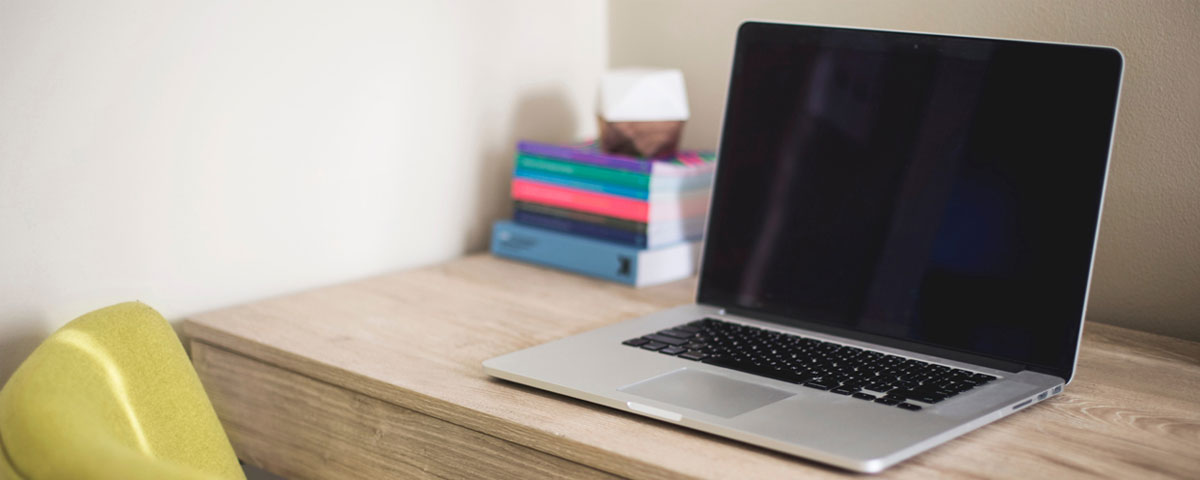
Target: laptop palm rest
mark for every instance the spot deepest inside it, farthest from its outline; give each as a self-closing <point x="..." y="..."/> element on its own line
<point x="706" y="392"/>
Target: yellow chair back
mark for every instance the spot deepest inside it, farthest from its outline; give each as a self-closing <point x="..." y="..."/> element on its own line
<point x="111" y="395"/>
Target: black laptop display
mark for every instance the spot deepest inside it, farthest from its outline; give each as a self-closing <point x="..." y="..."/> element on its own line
<point x="898" y="188"/>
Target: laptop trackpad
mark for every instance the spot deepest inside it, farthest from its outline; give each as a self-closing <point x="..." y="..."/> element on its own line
<point x="706" y="392"/>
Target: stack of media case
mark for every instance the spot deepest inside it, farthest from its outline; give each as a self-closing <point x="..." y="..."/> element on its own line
<point x="626" y="219"/>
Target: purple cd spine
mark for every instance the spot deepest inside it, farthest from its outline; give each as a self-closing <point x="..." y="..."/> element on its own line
<point x="585" y="156"/>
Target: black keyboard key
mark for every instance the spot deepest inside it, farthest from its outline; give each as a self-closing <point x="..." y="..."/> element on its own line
<point x="673" y="350"/>
<point x="693" y="355"/>
<point x="927" y="398"/>
<point x="748" y="367"/>
<point x="889" y="400"/>
<point x="800" y="375"/>
<point x="932" y="390"/>
<point x="672" y="341"/>
<point x="909" y="406"/>
<point x="635" y="342"/>
<point x="820" y="384"/>
<point x="789" y="376"/>
<point x="842" y="391"/>
<point x="676" y="333"/>
<point x="863" y="396"/>
<point x="828" y="347"/>
<point x="727" y="361"/>
<point x="654" y="346"/>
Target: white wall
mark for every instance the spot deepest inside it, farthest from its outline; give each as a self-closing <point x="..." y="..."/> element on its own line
<point x="197" y="154"/>
<point x="202" y="154"/>
<point x="1147" y="272"/>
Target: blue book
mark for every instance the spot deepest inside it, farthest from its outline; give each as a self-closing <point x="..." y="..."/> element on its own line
<point x="610" y="261"/>
<point x="655" y="235"/>
<point x="574" y="227"/>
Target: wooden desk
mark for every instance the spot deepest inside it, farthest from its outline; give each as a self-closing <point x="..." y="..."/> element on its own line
<point x="382" y="377"/>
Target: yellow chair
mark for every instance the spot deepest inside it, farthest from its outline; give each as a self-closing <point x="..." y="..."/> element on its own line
<point x="111" y="395"/>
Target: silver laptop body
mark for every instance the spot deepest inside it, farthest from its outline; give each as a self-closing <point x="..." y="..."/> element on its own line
<point x="971" y="297"/>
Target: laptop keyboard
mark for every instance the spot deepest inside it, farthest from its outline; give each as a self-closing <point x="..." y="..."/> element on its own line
<point x="841" y="369"/>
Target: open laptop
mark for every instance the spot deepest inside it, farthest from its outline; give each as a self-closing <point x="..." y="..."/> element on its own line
<point x="898" y="250"/>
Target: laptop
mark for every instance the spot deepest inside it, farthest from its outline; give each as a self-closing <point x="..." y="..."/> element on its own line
<point x="898" y="250"/>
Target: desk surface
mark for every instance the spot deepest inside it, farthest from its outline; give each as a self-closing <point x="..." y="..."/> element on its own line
<point x="382" y="376"/>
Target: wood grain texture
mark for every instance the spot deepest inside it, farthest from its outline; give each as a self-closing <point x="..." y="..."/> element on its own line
<point x="330" y="432"/>
<point x="416" y="340"/>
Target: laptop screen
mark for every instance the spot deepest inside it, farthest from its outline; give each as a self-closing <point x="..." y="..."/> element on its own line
<point x="941" y="191"/>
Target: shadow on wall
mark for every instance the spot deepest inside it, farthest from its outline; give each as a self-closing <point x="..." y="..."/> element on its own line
<point x="22" y="335"/>
<point x="544" y="115"/>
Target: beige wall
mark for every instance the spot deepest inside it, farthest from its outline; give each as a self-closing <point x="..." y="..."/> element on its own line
<point x="1147" y="272"/>
<point x="199" y="154"/>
